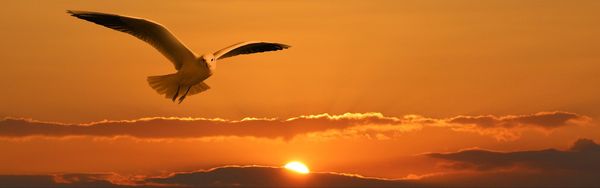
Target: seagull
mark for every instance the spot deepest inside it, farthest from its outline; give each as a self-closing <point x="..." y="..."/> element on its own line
<point x="192" y="70"/>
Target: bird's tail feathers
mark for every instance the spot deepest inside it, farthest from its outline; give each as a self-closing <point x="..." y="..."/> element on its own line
<point x="167" y="85"/>
<point x="198" y="88"/>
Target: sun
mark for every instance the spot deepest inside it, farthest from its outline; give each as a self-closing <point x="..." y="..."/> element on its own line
<point x="297" y="167"/>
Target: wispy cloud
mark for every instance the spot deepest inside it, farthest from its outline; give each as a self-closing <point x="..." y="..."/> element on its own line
<point x="510" y="127"/>
<point x="375" y="124"/>
<point x="547" y="120"/>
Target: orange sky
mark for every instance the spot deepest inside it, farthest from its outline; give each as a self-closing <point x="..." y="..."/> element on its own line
<point x="527" y="64"/>
<point x="435" y="58"/>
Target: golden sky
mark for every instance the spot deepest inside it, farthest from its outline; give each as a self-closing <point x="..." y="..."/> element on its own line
<point x="435" y="58"/>
<point x="419" y="76"/>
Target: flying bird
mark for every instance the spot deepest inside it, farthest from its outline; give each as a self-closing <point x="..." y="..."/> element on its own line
<point x="192" y="70"/>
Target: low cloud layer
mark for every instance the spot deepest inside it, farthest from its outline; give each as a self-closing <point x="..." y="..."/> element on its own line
<point x="59" y="180"/>
<point x="160" y="127"/>
<point x="584" y="155"/>
<point x="577" y="166"/>
<point x="252" y="176"/>
<point x="230" y="176"/>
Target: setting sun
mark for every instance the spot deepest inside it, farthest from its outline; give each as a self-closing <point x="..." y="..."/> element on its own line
<point x="297" y="167"/>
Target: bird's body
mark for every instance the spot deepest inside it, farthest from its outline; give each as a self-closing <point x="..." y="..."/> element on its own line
<point x="192" y="70"/>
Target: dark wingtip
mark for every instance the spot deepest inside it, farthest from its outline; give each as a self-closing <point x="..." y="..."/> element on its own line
<point x="75" y="13"/>
<point x="72" y="12"/>
<point x="285" y="46"/>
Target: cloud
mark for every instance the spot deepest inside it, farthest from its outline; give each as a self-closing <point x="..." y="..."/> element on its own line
<point x="160" y="127"/>
<point x="257" y="176"/>
<point x="510" y="127"/>
<point x="58" y="180"/>
<point x="579" y="165"/>
<point x="584" y="155"/>
<point x="228" y="176"/>
<point x="513" y="179"/>
<point x="546" y="120"/>
<point x="374" y="124"/>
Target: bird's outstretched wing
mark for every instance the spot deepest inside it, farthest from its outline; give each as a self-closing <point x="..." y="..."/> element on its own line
<point x="248" y="48"/>
<point x="153" y="33"/>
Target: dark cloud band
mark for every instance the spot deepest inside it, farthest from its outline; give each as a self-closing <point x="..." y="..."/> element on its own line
<point x="161" y="127"/>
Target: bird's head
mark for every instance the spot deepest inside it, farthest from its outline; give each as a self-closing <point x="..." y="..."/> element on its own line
<point x="210" y="60"/>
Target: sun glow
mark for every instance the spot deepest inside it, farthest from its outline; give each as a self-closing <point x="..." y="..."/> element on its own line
<point x="297" y="167"/>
